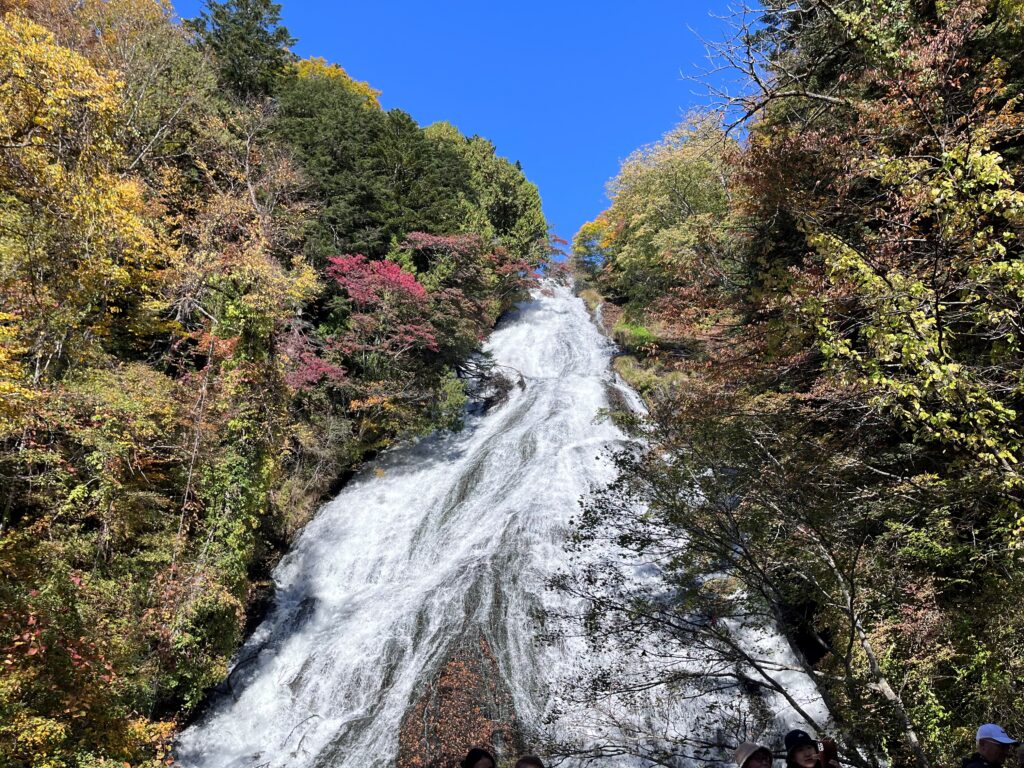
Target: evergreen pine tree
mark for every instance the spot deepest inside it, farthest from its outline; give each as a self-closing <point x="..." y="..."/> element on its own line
<point x="249" y="42"/>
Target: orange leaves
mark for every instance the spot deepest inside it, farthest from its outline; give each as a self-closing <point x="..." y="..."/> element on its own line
<point x="374" y="401"/>
<point x="466" y="706"/>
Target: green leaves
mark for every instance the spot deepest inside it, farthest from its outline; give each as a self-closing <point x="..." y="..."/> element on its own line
<point x="377" y="175"/>
<point x="850" y="414"/>
<point x="249" y="43"/>
<point x="936" y="345"/>
<point x="668" y="202"/>
<point x="167" y="415"/>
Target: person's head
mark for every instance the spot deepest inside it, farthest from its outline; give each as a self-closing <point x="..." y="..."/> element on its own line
<point x="994" y="743"/>
<point x="751" y="755"/>
<point x="801" y="749"/>
<point x="478" y="758"/>
<point x="529" y="761"/>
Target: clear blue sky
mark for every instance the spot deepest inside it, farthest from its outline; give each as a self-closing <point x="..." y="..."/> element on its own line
<point x="568" y="88"/>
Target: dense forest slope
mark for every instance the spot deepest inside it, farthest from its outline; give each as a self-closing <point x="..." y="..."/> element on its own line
<point x="226" y="275"/>
<point x="820" y="294"/>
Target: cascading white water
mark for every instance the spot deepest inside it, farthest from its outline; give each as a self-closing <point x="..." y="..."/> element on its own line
<point x="458" y="530"/>
<point x="456" y="533"/>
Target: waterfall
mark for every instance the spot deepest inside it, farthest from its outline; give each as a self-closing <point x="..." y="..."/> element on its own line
<point x="450" y="537"/>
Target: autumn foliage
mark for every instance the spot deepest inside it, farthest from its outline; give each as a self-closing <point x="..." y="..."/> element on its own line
<point x="825" y="319"/>
<point x="187" y="361"/>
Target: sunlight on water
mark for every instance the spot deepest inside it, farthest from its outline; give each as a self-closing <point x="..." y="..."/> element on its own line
<point x="456" y="533"/>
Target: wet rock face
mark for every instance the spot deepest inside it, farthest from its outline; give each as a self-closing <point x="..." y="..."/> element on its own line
<point x="466" y="705"/>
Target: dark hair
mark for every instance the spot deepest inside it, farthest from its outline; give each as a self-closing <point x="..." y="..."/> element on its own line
<point x="475" y="755"/>
<point x="529" y="760"/>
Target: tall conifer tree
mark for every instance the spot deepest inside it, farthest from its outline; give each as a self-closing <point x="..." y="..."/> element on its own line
<point x="250" y="43"/>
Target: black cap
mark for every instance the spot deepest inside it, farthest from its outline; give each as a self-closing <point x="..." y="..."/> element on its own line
<point x="798" y="738"/>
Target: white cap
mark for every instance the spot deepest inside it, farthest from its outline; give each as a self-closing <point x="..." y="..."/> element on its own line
<point x="995" y="733"/>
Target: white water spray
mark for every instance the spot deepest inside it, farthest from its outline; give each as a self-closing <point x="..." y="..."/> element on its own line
<point x="455" y="534"/>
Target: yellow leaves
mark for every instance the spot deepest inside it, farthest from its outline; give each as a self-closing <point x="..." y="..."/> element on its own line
<point x="1011" y="13"/>
<point x="303" y="283"/>
<point x="317" y="66"/>
<point x="40" y="736"/>
<point x="14" y="395"/>
<point x="94" y="263"/>
<point x="664" y="198"/>
<point x="904" y="352"/>
<point x="599" y="231"/>
<point x="243" y="269"/>
<point x="123" y="24"/>
<point x="76" y="240"/>
<point x="51" y="98"/>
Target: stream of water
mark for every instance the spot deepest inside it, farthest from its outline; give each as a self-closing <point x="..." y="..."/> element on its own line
<point x="456" y="533"/>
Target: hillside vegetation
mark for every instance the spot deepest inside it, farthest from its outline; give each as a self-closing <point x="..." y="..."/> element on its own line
<point x="226" y="276"/>
<point x="819" y="291"/>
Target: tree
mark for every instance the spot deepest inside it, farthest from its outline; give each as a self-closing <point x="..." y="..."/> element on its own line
<point x="758" y="516"/>
<point x="12" y="378"/>
<point x="249" y="43"/>
<point x="854" y="396"/>
<point x="588" y="249"/>
<point x="666" y="223"/>
<point x="179" y="386"/>
<point x="142" y="296"/>
<point x="375" y="175"/>
<point x="317" y="66"/>
<point x="78" y="256"/>
<point x="505" y="204"/>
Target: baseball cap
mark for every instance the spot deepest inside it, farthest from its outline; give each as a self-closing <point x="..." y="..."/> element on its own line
<point x="798" y="738"/>
<point x="747" y="750"/>
<point x="995" y="733"/>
